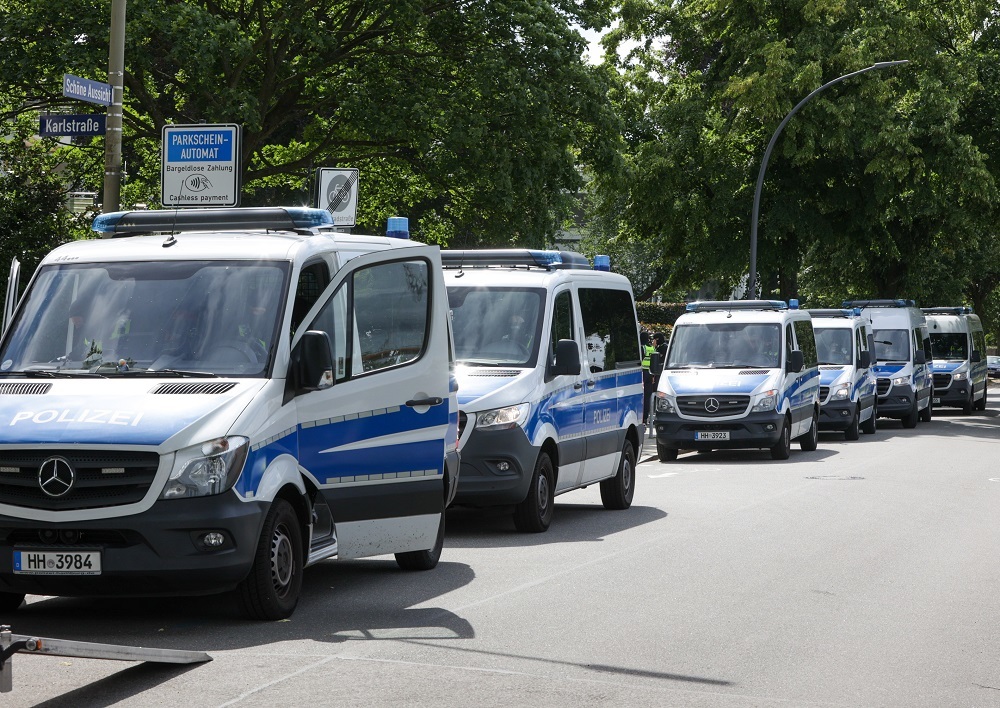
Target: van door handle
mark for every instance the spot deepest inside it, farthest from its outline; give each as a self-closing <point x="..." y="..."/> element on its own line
<point x="434" y="401"/>
<point x="577" y="386"/>
<point x="591" y="382"/>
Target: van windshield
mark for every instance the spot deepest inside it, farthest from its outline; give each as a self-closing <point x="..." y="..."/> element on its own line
<point x="953" y="346"/>
<point x="119" y="319"/>
<point x="725" y="345"/>
<point x="496" y="326"/>
<point x="892" y="345"/>
<point x="833" y="345"/>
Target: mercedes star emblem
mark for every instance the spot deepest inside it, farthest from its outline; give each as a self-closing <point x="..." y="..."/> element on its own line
<point x="56" y="476"/>
<point x="712" y="405"/>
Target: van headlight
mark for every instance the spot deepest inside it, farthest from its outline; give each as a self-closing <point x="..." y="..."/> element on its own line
<point x="665" y="403"/>
<point x="842" y="391"/>
<point x="503" y="418"/>
<point x="960" y="376"/>
<point x="210" y="468"/>
<point x="901" y="381"/>
<point x="766" y="401"/>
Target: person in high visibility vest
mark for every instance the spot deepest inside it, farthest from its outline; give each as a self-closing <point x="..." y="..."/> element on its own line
<point x="647" y="377"/>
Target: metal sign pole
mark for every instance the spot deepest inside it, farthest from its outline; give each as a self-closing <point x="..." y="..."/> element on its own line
<point x="113" y="138"/>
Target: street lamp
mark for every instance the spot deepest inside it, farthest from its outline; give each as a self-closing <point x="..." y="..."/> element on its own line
<point x="752" y="289"/>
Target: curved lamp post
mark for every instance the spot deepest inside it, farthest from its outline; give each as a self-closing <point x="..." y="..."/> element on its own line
<point x="752" y="289"/>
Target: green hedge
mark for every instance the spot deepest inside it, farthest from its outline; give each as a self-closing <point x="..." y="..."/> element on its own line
<point x="657" y="313"/>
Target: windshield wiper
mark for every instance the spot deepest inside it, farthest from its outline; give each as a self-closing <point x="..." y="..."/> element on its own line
<point x="177" y="373"/>
<point x="46" y="374"/>
<point x="479" y="362"/>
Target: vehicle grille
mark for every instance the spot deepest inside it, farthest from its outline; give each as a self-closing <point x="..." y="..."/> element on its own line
<point x="727" y="405"/>
<point x="103" y="478"/>
<point x="942" y="380"/>
<point x="824" y="391"/>
<point x="882" y="386"/>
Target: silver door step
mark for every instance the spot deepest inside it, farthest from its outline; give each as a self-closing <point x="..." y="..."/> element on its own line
<point x="11" y="644"/>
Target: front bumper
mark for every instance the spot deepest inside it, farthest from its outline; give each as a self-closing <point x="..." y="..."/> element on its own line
<point x="148" y="554"/>
<point x="483" y="480"/>
<point x="752" y="430"/>
<point x="957" y="394"/>
<point x="897" y="403"/>
<point x="836" y="415"/>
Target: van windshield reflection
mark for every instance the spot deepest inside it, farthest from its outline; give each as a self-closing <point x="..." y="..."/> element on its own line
<point x="496" y="326"/>
<point x="725" y="345"/>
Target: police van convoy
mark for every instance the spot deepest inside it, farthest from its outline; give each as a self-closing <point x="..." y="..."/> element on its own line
<point x="219" y="399"/>
<point x="958" y="347"/>
<point x="902" y="359"/>
<point x="739" y="374"/>
<point x="844" y="340"/>
<point x="550" y="382"/>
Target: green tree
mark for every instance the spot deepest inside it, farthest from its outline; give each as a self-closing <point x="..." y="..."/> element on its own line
<point x="470" y="117"/>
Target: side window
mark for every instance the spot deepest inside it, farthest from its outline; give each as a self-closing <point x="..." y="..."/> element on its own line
<point x="562" y="322"/>
<point x="789" y="341"/>
<point x="610" y="328"/>
<point x="807" y="342"/>
<point x="979" y="343"/>
<point x="922" y="342"/>
<point x="391" y="312"/>
<point x="859" y="343"/>
<point x="378" y="318"/>
<point x="313" y="280"/>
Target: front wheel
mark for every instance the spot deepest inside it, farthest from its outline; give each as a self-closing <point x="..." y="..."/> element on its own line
<point x="534" y="514"/>
<point x="423" y="560"/>
<point x="981" y="403"/>
<point x="870" y="426"/>
<point x="853" y="431"/>
<point x="810" y="441"/>
<point x="665" y="454"/>
<point x="782" y="449"/>
<point x="910" y="419"/>
<point x="10" y="601"/>
<point x="271" y="590"/>
<point x="617" y="492"/>
<point x="926" y="413"/>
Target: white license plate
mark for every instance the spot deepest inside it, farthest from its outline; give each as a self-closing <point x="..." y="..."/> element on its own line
<point x="712" y="435"/>
<point x="57" y="562"/>
<point x="936" y="401"/>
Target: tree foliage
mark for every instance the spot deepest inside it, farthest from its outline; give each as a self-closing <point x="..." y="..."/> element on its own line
<point x="470" y="117"/>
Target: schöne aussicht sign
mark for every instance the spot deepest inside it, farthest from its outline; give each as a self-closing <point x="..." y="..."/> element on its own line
<point x="86" y="90"/>
<point x="201" y="165"/>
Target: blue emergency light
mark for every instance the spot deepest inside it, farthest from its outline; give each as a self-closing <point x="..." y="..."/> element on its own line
<point x="602" y="262"/>
<point x="398" y="227"/>
<point x="124" y="223"/>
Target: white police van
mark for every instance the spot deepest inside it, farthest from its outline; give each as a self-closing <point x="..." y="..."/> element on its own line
<point x="844" y="340"/>
<point x="550" y="379"/>
<point x="219" y="399"/>
<point x="958" y="347"/>
<point x="902" y="370"/>
<point x="739" y="374"/>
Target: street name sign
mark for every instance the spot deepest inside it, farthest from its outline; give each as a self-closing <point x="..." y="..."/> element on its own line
<point x="87" y="124"/>
<point x="200" y="165"/>
<point x="86" y="90"/>
<point x="338" y="193"/>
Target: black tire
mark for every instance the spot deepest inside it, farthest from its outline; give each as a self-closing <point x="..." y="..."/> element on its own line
<point x="981" y="403"/>
<point x="853" y="431"/>
<point x="910" y="419"/>
<point x="423" y="560"/>
<point x="871" y="425"/>
<point x="534" y="514"/>
<point x="10" y="601"/>
<point x="665" y="454"/>
<point x="271" y="590"/>
<point x="617" y="492"/>
<point x="927" y="413"/>
<point x="810" y="441"/>
<point x="782" y="449"/>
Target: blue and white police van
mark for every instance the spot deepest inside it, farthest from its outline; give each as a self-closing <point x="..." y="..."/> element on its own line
<point x="903" y="379"/>
<point x="212" y="400"/>
<point x="739" y="374"/>
<point x="958" y="348"/>
<point x="844" y="340"/>
<point x="550" y="379"/>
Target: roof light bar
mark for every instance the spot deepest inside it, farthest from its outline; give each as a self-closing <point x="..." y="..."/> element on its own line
<point x="835" y="312"/>
<point x="512" y="257"/>
<point x="879" y="303"/>
<point x="177" y="220"/>
<point x="717" y="305"/>
<point x="947" y="310"/>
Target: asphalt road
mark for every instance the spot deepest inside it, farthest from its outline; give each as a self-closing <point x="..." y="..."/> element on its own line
<point x="862" y="574"/>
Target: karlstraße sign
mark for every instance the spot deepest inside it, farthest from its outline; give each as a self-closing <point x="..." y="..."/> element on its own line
<point x="86" y="90"/>
<point x="73" y="125"/>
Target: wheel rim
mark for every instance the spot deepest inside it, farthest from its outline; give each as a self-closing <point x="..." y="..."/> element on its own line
<point x="543" y="493"/>
<point x="282" y="560"/>
<point x="626" y="474"/>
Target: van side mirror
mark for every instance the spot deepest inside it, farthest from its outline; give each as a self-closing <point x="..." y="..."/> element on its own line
<point x="567" y="358"/>
<point x="795" y="362"/>
<point x="920" y="357"/>
<point x="312" y="362"/>
<point x="976" y="356"/>
<point x="655" y="363"/>
<point x="864" y="360"/>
